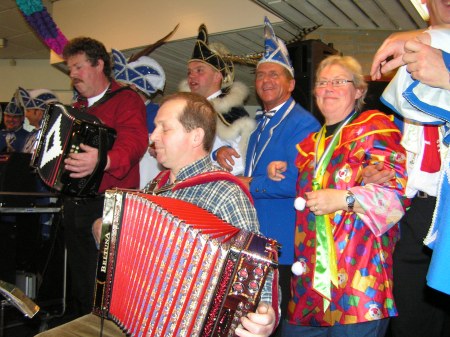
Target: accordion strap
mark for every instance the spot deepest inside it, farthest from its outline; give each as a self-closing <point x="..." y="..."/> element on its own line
<point x="158" y="185"/>
<point x="102" y="157"/>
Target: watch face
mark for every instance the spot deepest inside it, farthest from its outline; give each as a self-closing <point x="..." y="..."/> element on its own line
<point x="350" y="199"/>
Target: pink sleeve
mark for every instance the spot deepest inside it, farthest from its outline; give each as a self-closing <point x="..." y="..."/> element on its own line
<point x="382" y="207"/>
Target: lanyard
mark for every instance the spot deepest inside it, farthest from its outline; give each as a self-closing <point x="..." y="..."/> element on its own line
<point x="325" y="268"/>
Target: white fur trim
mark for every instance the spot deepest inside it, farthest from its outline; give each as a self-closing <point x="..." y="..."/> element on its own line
<point x="236" y="96"/>
<point x="243" y="126"/>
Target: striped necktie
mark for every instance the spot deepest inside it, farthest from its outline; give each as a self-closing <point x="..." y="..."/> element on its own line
<point x="266" y="115"/>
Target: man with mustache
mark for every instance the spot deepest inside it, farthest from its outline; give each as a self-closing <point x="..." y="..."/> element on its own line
<point x="121" y="109"/>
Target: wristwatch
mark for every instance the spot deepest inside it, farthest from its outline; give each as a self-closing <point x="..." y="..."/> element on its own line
<point x="350" y="199"/>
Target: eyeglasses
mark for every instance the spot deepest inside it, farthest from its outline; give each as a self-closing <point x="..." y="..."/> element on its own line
<point x="334" y="83"/>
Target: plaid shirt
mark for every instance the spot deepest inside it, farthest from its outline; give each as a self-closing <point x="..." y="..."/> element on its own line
<point x="222" y="198"/>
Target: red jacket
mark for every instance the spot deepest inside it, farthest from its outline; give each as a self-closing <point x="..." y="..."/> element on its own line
<point x="125" y="112"/>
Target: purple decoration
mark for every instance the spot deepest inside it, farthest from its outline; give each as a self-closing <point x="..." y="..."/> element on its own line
<point x="44" y="26"/>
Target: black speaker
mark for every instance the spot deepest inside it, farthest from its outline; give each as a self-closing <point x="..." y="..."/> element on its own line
<point x="16" y="175"/>
<point x="306" y="56"/>
<point x="372" y="101"/>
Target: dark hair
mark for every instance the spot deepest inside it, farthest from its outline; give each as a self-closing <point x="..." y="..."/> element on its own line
<point x="197" y="113"/>
<point x="94" y="50"/>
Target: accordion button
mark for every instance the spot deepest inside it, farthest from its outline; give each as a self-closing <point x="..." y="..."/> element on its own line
<point x="243" y="274"/>
<point x="253" y="287"/>
<point x="238" y="288"/>
<point x="258" y="272"/>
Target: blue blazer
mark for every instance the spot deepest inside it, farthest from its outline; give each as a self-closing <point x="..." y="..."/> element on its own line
<point x="274" y="201"/>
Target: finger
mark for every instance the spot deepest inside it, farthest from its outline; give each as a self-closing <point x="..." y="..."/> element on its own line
<point x="376" y="65"/>
<point x="223" y="163"/>
<point x="226" y="166"/>
<point x="310" y="196"/>
<point x="382" y="54"/>
<point x="254" y="325"/>
<point x="281" y="168"/>
<point x="379" y="166"/>
<point x="392" y="64"/>
<point x="72" y="164"/>
<point x="271" y="171"/>
<point x="78" y="175"/>
<point x="424" y="38"/>
<point x="230" y="160"/>
<point x="86" y="148"/>
<point x="280" y="176"/>
<point x="375" y="74"/>
<point x="412" y="46"/>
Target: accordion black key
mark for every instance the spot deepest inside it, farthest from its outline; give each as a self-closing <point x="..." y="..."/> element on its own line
<point x="63" y="130"/>
<point x="169" y="268"/>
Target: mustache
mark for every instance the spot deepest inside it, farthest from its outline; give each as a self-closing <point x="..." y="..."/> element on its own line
<point x="76" y="80"/>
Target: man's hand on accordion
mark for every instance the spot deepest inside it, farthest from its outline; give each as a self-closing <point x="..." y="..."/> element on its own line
<point x="83" y="163"/>
<point x="259" y="323"/>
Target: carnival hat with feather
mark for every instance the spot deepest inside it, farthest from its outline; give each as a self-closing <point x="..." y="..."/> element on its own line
<point x="141" y="70"/>
<point x="214" y="54"/>
<point x="275" y="50"/>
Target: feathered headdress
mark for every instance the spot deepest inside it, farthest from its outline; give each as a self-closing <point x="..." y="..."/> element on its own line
<point x="213" y="54"/>
<point x="272" y="45"/>
<point x="141" y="70"/>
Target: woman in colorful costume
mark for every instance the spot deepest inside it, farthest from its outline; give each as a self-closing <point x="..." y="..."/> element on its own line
<point x="345" y="237"/>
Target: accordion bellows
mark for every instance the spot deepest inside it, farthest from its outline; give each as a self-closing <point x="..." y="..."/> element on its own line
<point x="169" y="268"/>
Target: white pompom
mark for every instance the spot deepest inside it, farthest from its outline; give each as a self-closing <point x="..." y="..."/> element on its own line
<point x="298" y="268"/>
<point x="299" y="204"/>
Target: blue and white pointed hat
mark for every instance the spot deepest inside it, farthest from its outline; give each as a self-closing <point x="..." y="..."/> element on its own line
<point x="275" y="50"/>
<point x="145" y="73"/>
<point x="15" y="106"/>
<point x="35" y="99"/>
<point x="40" y="98"/>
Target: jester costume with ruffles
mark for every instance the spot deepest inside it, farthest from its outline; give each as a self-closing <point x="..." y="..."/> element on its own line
<point x="363" y="243"/>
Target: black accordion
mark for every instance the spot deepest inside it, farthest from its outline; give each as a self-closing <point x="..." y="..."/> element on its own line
<point x="63" y="130"/>
<point x="169" y="268"/>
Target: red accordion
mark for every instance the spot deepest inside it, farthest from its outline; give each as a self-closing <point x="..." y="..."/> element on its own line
<point x="169" y="268"/>
<point x="63" y="130"/>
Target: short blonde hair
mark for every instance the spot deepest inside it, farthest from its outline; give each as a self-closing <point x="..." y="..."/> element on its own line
<point x="354" y="67"/>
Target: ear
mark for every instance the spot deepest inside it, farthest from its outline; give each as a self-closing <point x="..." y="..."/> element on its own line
<point x="359" y="93"/>
<point x="198" y="135"/>
<point x="218" y="78"/>
<point x="291" y="85"/>
<point x="100" y="65"/>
